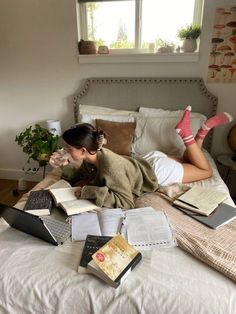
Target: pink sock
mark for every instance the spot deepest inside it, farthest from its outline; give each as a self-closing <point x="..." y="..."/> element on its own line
<point x="183" y="128"/>
<point x="219" y="119"/>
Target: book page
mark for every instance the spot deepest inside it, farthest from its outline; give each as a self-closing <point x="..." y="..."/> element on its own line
<point x="59" y="184"/>
<point x="147" y="230"/>
<point x="84" y="224"/>
<point x="110" y="220"/>
<point x="206" y="200"/>
<point x="77" y="206"/>
<point x="63" y="194"/>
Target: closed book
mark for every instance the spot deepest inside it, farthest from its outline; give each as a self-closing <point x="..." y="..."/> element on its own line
<point x="39" y="203"/>
<point x="91" y="245"/>
<point x="114" y="261"/>
<point x="221" y="216"/>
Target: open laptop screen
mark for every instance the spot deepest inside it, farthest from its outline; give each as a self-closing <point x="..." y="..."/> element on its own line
<point x="26" y="222"/>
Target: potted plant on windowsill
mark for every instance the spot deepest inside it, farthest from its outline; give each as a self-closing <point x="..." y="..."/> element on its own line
<point x="189" y="35"/>
<point x="164" y="46"/>
<point x="38" y="143"/>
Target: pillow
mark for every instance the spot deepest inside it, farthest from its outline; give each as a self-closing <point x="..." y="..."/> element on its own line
<point x="159" y="133"/>
<point x="119" y="135"/>
<point x="158" y="112"/>
<point x="87" y="109"/>
<point x="91" y="118"/>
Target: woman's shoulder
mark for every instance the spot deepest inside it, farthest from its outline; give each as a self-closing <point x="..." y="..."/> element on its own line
<point x="108" y="156"/>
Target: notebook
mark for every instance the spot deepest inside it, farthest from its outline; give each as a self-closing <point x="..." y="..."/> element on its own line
<point x="222" y="215"/>
<point x="48" y="229"/>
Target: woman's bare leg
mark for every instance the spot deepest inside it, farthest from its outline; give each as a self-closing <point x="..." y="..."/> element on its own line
<point x="197" y="167"/>
<point x="217" y="120"/>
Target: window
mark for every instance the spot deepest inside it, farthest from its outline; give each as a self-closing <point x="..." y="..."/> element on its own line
<point x="136" y="25"/>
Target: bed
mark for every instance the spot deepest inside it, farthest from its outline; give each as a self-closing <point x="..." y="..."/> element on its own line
<point x="197" y="276"/>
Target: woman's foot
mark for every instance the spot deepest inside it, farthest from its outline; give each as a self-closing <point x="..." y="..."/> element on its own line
<point x="219" y="119"/>
<point x="183" y="128"/>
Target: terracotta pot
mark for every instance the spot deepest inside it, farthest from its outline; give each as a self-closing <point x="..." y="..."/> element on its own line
<point x="189" y="45"/>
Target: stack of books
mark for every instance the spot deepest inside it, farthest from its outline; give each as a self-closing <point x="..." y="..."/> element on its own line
<point x="110" y="259"/>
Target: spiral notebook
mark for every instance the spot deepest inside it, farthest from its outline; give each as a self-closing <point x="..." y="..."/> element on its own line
<point x="148" y="228"/>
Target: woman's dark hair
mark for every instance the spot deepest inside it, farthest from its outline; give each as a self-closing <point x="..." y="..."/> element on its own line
<point x="85" y="135"/>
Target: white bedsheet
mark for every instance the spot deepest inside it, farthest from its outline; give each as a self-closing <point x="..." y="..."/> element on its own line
<point x="37" y="277"/>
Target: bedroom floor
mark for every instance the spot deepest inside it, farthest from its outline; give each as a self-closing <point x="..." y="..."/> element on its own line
<point x="8" y="191"/>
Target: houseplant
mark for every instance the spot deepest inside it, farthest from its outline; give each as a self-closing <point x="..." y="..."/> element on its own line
<point x="38" y="143"/>
<point x="164" y="46"/>
<point x="189" y="35"/>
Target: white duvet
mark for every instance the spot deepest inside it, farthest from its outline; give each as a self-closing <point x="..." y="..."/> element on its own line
<point x="37" y="277"/>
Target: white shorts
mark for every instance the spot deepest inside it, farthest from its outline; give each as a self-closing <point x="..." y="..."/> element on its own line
<point x="167" y="170"/>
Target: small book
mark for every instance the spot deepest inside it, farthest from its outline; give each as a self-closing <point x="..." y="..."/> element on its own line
<point x="91" y="245"/>
<point x="222" y="215"/>
<point x="114" y="261"/>
<point x="39" y="203"/>
<point x="106" y="222"/>
<point x="65" y="198"/>
<point x="200" y="200"/>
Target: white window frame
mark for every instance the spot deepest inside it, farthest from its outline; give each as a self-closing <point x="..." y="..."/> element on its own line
<point x="135" y="52"/>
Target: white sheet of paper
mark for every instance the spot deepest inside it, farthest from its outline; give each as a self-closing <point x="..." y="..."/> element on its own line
<point x="106" y="222"/>
<point x="84" y="224"/>
<point x="150" y="229"/>
<point x="110" y="221"/>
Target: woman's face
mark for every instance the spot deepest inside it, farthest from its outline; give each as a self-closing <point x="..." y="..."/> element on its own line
<point x="76" y="153"/>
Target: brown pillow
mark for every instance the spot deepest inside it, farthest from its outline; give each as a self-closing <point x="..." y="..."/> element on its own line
<point x="119" y="135"/>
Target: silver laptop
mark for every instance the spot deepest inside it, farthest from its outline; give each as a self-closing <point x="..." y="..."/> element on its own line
<point x="48" y="229"/>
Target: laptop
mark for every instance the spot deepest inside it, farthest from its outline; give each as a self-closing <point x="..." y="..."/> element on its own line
<point x="222" y="215"/>
<point x="50" y="230"/>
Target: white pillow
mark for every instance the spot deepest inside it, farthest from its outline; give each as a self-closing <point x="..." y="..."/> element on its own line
<point x="91" y="118"/>
<point x="87" y="109"/>
<point x="154" y="112"/>
<point x="159" y="133"/>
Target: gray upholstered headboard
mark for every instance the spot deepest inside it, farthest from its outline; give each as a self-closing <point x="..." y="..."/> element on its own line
<point x="131" y="93"/>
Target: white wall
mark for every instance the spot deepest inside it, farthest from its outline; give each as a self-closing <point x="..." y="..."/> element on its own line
<point x="39" y="71"/>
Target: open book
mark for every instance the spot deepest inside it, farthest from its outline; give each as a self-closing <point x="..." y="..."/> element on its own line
<point x="64" y="196"/>
<point x="106" y="222"/>
<point x="200" y="200"/>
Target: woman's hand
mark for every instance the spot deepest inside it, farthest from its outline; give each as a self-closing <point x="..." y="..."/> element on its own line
<point x="59" y="158"/>
<point x="78" y="192"/>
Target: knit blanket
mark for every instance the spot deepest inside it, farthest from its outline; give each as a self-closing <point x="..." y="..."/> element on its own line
<point x="217" y="248"/>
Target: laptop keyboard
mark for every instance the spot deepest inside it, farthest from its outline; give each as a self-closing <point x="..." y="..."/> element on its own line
<point x="60" y="230"/>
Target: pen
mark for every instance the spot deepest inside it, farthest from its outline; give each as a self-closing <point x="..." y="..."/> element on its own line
<point x="122" y="225"/>
<point x="188" y="204"/>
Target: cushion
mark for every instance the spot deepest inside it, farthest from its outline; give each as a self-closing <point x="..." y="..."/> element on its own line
<point x="87" y="109"/>
<point x="119" y="135"/>
<point x="91" y="118"/>
<point x="159" y="133"/>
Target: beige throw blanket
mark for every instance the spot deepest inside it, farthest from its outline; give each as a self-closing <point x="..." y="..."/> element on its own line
<point x="217" y="248"/>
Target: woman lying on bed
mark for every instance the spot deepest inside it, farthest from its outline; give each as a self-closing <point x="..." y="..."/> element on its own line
<point x="113" y="180"/>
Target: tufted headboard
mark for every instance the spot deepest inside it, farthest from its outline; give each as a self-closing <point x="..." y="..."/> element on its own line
<point x="131" y="93"/>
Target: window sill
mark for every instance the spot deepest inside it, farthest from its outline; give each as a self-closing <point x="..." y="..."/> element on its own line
<point x="140" y="58"/>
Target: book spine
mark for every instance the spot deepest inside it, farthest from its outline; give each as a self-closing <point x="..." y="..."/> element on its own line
<point x="130" y="267"/>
